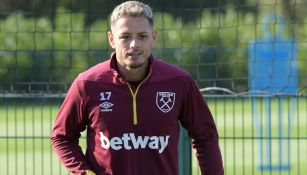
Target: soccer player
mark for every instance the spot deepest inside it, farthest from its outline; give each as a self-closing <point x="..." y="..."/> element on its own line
<point x="131" y="106"/>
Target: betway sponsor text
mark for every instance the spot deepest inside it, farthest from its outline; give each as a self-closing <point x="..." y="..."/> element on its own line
<point x="129" y="141"/>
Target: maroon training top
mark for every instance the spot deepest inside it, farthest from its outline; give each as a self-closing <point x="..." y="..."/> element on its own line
<point x="134" y="130"/>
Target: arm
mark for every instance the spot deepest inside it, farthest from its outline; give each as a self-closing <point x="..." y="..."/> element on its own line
<point x="197" y="119"/>
<point x="69" y="123"/>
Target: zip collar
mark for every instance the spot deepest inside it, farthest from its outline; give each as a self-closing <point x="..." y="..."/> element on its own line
<point x="114" y="68"/>
<point x="134" y="102"/>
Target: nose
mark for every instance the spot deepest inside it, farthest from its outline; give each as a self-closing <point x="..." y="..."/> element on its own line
<point x="134" y="43"/>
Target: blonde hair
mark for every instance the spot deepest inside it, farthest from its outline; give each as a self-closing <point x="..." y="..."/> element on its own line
<point x="132" y="8"/>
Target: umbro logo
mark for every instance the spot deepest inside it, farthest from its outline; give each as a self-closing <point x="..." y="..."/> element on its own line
<point x="105" y="105"/>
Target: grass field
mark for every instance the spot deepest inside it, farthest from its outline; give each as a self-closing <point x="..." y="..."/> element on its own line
<point x="25" y="126"/>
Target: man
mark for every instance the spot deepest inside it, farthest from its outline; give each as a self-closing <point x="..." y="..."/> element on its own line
<point x="131" y="105"/>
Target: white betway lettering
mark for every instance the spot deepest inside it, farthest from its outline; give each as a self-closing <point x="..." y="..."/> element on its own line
<point x="128" y="141"/>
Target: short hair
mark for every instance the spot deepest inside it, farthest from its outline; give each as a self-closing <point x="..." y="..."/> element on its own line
<point x="132" y="8"/>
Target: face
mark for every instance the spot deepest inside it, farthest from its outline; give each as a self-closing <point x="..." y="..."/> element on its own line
<point x="133" y="39"/>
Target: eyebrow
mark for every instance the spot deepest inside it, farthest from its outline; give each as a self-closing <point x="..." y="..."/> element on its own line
<point x="143" y="33"/>
<point x="128" y="33"/>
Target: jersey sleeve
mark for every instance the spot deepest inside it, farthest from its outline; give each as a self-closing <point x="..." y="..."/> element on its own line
<point x="69" y="124"/>
<point x="197" y="119"/>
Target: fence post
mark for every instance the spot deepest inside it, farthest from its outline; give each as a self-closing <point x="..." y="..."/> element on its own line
<point x="185" y="159"/>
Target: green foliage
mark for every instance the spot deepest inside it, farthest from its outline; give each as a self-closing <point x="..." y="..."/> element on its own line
<point x="208" y="48"/>
<point x="212" y="48"/>
<point x="33" y="51"/>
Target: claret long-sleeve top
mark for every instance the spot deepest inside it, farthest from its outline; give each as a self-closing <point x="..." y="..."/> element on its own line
<point x="133" y="129"/>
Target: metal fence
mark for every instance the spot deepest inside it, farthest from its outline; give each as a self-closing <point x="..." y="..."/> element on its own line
<point x="258" y="47"/>
<point x="258" y="135"/>
<point x="262" y="134"/>
<point x="45" y="44"/>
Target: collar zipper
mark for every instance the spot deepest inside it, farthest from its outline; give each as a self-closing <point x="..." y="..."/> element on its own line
<point x="135" y="117"/>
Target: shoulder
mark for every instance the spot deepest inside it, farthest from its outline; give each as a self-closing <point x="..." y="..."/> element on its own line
<point x="163" y="70"/>
<point x="98" y="72"/>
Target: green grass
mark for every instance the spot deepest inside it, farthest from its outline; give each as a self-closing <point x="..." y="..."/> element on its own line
<point x="25" y="126"/>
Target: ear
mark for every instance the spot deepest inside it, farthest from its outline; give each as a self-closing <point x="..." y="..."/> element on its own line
<point x="154" y="36"/>
<point x="111" y="39"/>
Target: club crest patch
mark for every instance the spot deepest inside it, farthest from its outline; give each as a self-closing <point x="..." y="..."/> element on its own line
<point x="165" y="101"/>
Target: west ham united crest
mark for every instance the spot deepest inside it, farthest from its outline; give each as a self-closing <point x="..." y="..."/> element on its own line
<point x="165" y="101"/>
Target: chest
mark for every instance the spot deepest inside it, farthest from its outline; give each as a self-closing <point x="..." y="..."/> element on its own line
<point x="155" y="107"/>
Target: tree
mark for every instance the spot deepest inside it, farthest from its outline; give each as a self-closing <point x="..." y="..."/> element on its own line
<point x="100" y="9"/>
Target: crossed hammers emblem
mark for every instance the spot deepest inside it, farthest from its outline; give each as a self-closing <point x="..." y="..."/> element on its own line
<point x="165" y="101"/>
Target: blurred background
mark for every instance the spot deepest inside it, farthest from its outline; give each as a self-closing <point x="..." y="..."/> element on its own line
<point x="248" y="58"/>
<point x="45" y="44"/>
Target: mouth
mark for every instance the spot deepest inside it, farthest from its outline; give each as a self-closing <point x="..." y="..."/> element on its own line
<point x="134" y="53"/>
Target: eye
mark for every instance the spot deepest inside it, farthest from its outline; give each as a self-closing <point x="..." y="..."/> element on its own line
<point x="124" y="37"/>
<point x="143" y="36"/>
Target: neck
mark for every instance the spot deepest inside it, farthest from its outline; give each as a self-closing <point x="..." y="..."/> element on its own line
<point x="133" y="74"/>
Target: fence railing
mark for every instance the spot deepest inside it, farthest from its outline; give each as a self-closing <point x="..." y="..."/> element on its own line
<point x="258" y="134"/>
